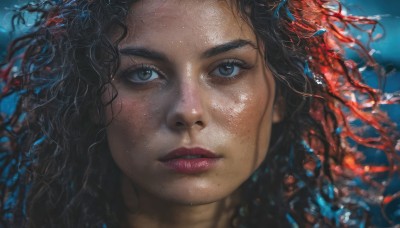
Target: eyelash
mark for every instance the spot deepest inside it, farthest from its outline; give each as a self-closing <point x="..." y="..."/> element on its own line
<point x="136" y="69"/>
<point x="142" y="67"/>
<point x="233" y="62"/>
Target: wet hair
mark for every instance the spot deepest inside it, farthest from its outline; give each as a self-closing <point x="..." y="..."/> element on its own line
<point x="56" y="167"/>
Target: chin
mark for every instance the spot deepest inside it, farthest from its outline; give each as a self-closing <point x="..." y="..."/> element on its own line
<point x="194" y="196"/>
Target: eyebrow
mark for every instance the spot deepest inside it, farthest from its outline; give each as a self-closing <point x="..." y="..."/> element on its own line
<point x="145" y="53"/>
<point x="235" y="44"/>
<point x="219" y="49"/>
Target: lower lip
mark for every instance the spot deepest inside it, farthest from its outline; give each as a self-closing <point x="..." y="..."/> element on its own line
<point x="190" y="166"/>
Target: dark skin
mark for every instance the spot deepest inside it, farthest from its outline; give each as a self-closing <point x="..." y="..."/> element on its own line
<point x="193" y="79"/>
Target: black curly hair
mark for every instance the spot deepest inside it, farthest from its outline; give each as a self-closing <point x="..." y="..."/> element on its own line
<point x="58" y="169"/>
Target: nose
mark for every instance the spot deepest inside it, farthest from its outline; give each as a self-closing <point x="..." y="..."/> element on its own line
<point x="187" y="108"/>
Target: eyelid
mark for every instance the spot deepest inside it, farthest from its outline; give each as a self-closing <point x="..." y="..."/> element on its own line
<point x="237" y="62"/>
<point x="125" y="73"/>
<point x="243" y="65"/>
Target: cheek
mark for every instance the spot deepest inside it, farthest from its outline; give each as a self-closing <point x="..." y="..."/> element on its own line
<point x="130" y="121"/>
<point x="238" y="113"/>
<point x="244" y="113"/>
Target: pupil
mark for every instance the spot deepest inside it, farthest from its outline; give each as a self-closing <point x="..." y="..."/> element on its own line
<point x="145" y="74"/>
<point x="226" y="70"/>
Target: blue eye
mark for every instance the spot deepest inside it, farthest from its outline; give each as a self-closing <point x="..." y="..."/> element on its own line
<point x="227" y="69"/>
<point x="142" y="75"/>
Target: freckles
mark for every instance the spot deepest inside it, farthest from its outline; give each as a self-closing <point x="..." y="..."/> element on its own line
<point x="130" y="117"/>
<point x="137" y="109"/>
<point x="244" y="114"/>
<point x="241" y="103"/>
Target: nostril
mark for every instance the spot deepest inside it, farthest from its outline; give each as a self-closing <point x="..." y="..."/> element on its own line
<point x="179" y="124"/>
<point x="182" y="124"/>
<point x="199" y="123"/>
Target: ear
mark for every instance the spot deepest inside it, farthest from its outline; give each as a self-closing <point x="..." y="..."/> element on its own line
<point x="278" y="111"/>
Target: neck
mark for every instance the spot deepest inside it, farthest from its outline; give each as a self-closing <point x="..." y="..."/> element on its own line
<point x="150" y="212"/>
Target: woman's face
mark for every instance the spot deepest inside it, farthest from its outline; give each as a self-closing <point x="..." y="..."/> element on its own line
<point x="194" y="109"/>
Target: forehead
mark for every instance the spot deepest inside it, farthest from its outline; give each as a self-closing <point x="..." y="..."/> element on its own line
<point x="207" y="21"/>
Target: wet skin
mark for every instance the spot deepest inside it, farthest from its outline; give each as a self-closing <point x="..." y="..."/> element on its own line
<point x="192" y="75"/>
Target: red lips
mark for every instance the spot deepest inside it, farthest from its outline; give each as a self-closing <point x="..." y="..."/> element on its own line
<point x="190" y="160"/>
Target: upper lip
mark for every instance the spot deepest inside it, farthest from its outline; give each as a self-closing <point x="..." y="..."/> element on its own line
<point x="197" y="151"/>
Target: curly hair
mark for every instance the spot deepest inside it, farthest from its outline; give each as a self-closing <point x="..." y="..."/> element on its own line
<point x="58" y="171"/>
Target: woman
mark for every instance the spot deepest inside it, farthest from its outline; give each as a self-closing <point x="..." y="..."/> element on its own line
<point x="188" y="114"/>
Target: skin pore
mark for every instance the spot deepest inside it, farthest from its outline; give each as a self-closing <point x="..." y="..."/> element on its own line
<point x="191" y="76"/>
